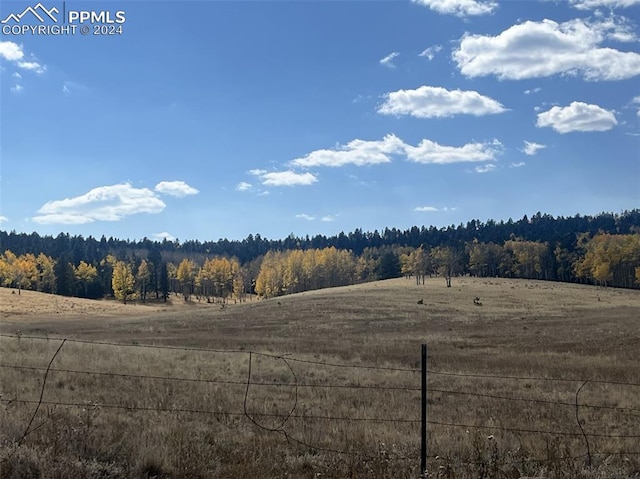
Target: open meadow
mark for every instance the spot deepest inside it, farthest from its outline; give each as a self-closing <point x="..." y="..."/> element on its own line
<point x="540" y="379"/>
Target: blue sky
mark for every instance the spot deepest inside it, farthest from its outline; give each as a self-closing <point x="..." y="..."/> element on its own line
<point x="207" y="120"/>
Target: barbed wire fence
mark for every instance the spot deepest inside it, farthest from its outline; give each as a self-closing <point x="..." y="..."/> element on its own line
<point x="296" y="384"/>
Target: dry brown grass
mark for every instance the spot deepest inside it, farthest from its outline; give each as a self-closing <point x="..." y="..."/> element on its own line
<point x="523" y="328"/>
<point x="34" y="305"/>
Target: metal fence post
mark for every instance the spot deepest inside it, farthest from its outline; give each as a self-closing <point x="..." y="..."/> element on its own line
<point x="423" y="413"/>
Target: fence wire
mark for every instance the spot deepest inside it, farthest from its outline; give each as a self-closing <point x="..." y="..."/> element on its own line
<point x="292" y="415"/>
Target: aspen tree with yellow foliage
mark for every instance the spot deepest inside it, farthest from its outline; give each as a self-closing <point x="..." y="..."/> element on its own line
<point x="123" y="282"/>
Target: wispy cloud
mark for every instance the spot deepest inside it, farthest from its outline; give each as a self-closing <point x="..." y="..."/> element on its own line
<point x="438" y="102"/>
<point x="517" y="165"/>
<point x="430" y="152"/>
<point x="430" y="53"/>
<point x="285" y="178"/>
<point x="243" y="186"/>
<point x="577" y="116"/>
<point x="460" y="8"/>
<point x="71" y="87"/>
<point x="372" y="152"/>
<point x="531" y="148"/>
<point x="547" y="48"/>
<point x="432" y="209"/>
<point x="592" y="4"/>
<point x="16" y="88"/>
<point x="532" y="91"/>
<point x="16" y="75"/>
<point x="485" y="168"/>
<point x="326" y="218"/>
<point x="388" y="60"/>
<point x="3" y="219"/>
<point x="14" y="53"/>
<point x="33" y="66"/>
<point x="636" y="103"/>
<point x="356" y="152"/>
<point x="178" y="189"/>
<point x="361" y="98"/>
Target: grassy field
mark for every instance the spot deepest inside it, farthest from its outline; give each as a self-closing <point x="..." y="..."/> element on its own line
<point x="325" y="384"/>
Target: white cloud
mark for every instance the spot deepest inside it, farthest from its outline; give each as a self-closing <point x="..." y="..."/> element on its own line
<point x="577" y="117"/>
<point x="430" y="53"/>
<point x="11" y="51"/>
<point x="16" y="89"/>
<point x="531" y="148"/>
<point x="591" y="4"/>
<point x="432" y="209"/>
<point x="517" y="165"/>
<point x="178" y="189"/>
<point x="361" y="152"/>
<point x="388" y="60"/>
<point x="285" y="178"/>
<point x="460" y="8"/>
<point x="105" y="203"/>
<point x="356" y="152"/>
<point x="3" y="219"/>
<point x="485" y="168"/>
<point x="534" y="90"/>
<point x="328" y="218"/>
<point x="305" y="217"/>
<point x="162" y="236"/>
<point x="33" y="66"/>
<point x="243" y="186"/>
<point x="430" y="152"/>
<point x="16" y="75"/>
<point x="438" y="102"/>
<point x="257" y="172"/>
<point x="546" y="48"/>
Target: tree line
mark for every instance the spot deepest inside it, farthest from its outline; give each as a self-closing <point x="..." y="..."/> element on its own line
<point x="539" y="228"/>
<point x="609" y="256"/>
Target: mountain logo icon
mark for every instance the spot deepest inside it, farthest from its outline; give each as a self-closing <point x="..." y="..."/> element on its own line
<point x="39" y="11"/>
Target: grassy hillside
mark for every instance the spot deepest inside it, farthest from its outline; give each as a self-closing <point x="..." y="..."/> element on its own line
<point x="357" y="420"/>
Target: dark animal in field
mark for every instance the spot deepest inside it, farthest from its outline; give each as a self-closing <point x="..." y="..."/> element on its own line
<point x="421" y="301"/>
<point x="476" y="301"/>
